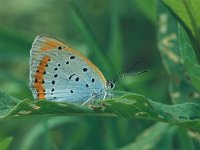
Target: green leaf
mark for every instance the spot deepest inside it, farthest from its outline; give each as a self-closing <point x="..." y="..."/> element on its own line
<point x="184" y="139"/>
<point x="188" y="12"/>
<point x="41" y="127"/>
<point x="115" y="45"/>
<point x="145" y="6"/>
<point x="17" y="49"/>
<point x="83" y="27"/>
<point x="4" y="144"/>
<point x="181" y="89"/>
<point x="7" y="103"/>
<point x="148" y="139"/>
<point x="130" y="106"/>
<point x="189" y="58"/>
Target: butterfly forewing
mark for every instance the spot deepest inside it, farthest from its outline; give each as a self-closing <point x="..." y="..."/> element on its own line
<point x="60" y="73"/>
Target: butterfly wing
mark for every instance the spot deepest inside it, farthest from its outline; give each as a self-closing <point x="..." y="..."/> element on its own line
<point x="57" y="72"/>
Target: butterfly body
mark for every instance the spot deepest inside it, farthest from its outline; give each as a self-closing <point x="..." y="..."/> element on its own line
<point x="60" y="73"/>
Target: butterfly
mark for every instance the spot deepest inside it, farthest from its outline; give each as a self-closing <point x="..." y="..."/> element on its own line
<point x="60" y="73"/>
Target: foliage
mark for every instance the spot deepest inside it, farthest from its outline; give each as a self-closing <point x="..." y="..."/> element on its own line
<point x="112" y="31"/>
<point x="4" y="144"/>
<point x="128" y="106"/>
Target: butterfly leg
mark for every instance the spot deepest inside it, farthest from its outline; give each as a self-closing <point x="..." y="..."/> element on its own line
<point x="109" y="95"/>
<point x="89" y="100"/>
<point x="104" y="97"/>
<point x="93" y="97"/>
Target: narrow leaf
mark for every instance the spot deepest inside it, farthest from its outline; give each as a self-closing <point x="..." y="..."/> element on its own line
<point x="115" y="35"/>
<point x="7" y="103"/>
<point x="188" y="12"/>
<point x="39" y="129"/>
<point x="83" y="27"/>
<point x="4" y="144"/>
<point x="181" y="89"/>
<point x="189" y="58"/>
<point x="148" y="139"/>
<point x="145" y="6"/>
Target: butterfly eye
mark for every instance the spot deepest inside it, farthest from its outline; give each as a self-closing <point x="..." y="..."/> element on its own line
<point x="110" y="84"/>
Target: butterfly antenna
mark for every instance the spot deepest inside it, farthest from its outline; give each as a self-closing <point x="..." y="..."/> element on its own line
<point x="119" y="74"/>
<point x="131" y="74"/>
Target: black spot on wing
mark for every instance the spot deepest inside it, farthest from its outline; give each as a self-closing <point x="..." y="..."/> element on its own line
<point x="72" y="57"/>
<point x="59" y="47"/>
<point x="85" y="69"/>
<point x="77" y="79"/>
<point x="93" y="80"/>
<point x="55" y="75"/>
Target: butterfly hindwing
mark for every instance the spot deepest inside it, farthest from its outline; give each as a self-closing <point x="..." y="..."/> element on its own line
<point x="60" y="73"/>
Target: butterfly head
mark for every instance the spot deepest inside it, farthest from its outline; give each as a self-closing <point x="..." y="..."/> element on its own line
<point x="110" y="84"/>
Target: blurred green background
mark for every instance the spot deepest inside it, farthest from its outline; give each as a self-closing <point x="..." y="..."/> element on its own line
<point x="113" y="34"/>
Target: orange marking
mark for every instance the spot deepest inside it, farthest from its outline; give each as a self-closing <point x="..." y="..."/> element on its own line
<point x="51" y="44"/>
<point x="46" y="47"/>
<point x="46" y="59"/>
<point x="41" y="91"/>
<point x="38" y="85"/>
<point x="41" y="68"/>
<point x="39" y="77"/>
<point x="41" y="96"/>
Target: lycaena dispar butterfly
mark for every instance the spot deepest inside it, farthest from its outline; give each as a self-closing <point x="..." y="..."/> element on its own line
<point x="60" y="73"/>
